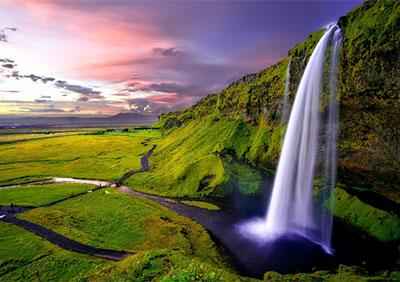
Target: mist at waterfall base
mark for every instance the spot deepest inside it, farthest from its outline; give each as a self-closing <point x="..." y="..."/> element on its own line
<point x="297" y="209"/>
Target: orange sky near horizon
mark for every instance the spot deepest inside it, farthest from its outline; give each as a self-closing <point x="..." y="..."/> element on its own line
<point x="148" y="57"/>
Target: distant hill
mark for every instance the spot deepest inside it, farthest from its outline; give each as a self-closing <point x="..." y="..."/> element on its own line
<point x="121" y="118"/>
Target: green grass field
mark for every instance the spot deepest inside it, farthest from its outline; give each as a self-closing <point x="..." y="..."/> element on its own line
<point x="105" y="157"/>
<point x="167" y="247"/>
<point x="27" y="257"/>
<point x="36" y="195"/>
<point x="23" y="137"/>
<point x="23" y="134"/>
<point x="115" y="220"/>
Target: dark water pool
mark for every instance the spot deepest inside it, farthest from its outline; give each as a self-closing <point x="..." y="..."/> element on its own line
<point x="290" y="253"/>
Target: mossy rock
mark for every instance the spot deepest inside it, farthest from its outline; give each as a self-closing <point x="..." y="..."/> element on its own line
<point x="379" y="224"/>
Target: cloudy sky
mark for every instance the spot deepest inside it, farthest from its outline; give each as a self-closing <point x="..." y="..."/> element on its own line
<point x="105" y="57"/>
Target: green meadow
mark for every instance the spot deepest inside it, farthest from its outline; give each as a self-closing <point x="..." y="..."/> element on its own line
<point x="165" y="246"/>
<point x="104" y="156"/>
<point x="111" y="219"/>
<point x="27" y="257"/>
<point x="23" y="134"/>
<point x="29" y="136"/>
<point x="37" y="195"/>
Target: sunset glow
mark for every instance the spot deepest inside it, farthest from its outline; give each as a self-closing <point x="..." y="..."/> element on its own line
<point x="103" y="58"/>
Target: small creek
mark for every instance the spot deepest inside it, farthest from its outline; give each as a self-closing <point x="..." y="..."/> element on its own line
<point x="289" y="254"/>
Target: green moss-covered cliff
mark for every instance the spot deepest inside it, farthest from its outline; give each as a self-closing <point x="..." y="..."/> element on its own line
<point x="369" y="137"/>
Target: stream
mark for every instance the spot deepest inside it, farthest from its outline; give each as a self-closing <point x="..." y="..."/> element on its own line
<point x="287" y="254"/>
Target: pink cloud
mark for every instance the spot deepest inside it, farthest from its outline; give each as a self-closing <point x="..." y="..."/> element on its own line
<point x="169" y="98"/>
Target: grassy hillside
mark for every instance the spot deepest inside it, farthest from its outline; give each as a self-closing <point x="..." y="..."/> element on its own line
<point x="369" y="136"/>
<point x="201" y="160"/>
<point x="239" y="128"/>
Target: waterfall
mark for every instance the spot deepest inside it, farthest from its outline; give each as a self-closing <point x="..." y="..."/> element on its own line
<point x="331" y="139"/>
<point x="285" y="102"/>
<point x="293" y="207"/>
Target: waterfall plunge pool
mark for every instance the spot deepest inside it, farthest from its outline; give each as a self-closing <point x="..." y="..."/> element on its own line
<point x="289" y="253"/>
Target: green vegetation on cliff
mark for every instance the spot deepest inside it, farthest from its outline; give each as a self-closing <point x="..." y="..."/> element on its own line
<point x="216" y="144"/>
<point x="369" y="130"/>
<point x="370" y="102"/>
<point x="379" y="224"/>
<point x="369" y="136"/>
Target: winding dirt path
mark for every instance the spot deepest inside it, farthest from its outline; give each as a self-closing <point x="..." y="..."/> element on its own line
<point x="8" y="214"/>
<point x="65" y="243"/>
<point x="206" y="218"/>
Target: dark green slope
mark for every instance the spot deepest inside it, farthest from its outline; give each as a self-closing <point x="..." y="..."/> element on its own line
<point x="225" y="140"/>
<point x="228" y="140"/>
<point x="369" y="145"/>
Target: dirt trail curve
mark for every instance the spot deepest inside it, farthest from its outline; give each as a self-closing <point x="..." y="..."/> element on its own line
<point x="75" y="246"/>
<point x="200" y="215"/>
<point x="144" y="161"/>
<point x="65" y="243"/>
<point x="59" y="240"/>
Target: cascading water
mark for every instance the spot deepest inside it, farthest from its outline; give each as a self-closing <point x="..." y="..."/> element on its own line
<point x="330" y="140"/>
<point x="293" y="207"/>
<point x="285" y="102"/>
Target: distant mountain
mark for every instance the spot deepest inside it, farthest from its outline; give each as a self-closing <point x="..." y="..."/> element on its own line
<point x="121" y="118"/>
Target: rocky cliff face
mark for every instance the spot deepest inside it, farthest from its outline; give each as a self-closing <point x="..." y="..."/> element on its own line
<point x="370" y="96"/>
<point x="369" y="137"/>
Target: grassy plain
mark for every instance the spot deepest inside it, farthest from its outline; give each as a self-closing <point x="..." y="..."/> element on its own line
<point x="23" y="134"/>
<point x="36" y="195"/>
<point x="115" y="220"/>
<point x="26" y="257"/>
<point x="167" y="247"/>
<point x="106" y="157"/>
<point x="8" y="138"/>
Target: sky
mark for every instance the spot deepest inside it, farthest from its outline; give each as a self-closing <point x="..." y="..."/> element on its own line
<point x="81" y="58"/>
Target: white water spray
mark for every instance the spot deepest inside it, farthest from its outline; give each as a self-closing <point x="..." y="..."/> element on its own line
<point x="292" y="208"/>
